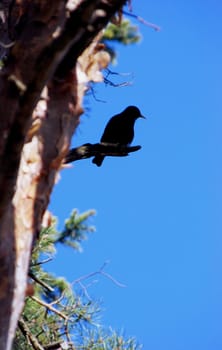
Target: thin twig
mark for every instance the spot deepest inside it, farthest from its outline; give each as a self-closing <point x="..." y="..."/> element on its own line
<point x="109" y="82"/>
<point x="58" y="300"/>
<point x="40" y="282"/>
<point x="49" y="307"/>
<point x="112" y="279"/>
<point x="110" y="72"/>
<point x="101" y="272"/>
<point x="67" y="331"/>
<point x="143" y="21"/>
<point x="42" y="262"/>
<point x="94" y="95"/>
<point x="85" y="290"/>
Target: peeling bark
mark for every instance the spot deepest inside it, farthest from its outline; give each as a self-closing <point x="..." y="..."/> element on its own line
<point x="36" y="132"/>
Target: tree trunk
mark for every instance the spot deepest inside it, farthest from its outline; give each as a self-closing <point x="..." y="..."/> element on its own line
<point x="40" y="104"/>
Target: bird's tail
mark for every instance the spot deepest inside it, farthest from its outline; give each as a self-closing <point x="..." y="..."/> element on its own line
<point x="98" y="160"/>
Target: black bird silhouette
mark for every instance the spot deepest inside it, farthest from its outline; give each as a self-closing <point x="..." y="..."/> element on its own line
<point x="119" y="130"/>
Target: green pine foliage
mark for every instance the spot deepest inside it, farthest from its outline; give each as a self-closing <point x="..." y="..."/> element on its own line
<point x="124" y="33"/>
<point x="62" y="315"/>
<point x="75" y="230"/>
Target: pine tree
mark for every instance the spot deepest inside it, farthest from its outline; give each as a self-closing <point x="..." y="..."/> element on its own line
<point x="62" y="315"/>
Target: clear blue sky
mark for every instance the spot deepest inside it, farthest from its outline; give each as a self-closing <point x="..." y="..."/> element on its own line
<point x="159" y="210"/>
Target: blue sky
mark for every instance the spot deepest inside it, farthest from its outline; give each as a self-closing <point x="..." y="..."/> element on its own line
<point x="159" y="210"/>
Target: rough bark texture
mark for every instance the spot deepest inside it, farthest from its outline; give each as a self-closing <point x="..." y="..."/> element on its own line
<point x="47" y="42"/>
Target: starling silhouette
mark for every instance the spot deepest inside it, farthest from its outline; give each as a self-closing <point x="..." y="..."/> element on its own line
<point x="119" y="130"/>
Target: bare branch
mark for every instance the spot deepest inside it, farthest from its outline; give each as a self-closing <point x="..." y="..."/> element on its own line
<point x="94" y="95"/>
<point x="43" y="284"/>
<point x="143" y="21"/>
<point x="42" y="262"/>
<point x="49" y="307"/>
<point x="109" y="82"/>
<point x="110" y="72"/>
<point x="106" y="149"/>
<point x="28" y="334"/>
<point x="101" y="272"/>
<point x="56" y="301"/>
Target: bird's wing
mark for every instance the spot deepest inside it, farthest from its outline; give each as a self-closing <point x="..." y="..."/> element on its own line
<point x="112" y="130"/>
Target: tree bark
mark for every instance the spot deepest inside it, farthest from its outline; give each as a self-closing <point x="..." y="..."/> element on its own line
<point x="40" y="105"/>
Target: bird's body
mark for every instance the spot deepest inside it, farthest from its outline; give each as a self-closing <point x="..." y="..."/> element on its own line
<point x="119" y="130"/>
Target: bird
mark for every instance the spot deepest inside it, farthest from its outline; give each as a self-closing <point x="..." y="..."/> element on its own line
<point x="119" y="130"/>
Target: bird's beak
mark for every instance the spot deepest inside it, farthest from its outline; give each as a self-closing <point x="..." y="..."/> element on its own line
<point x="142" y="116"/>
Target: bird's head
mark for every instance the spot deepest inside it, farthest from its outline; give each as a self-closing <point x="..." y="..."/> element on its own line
<point x="134" y="112"/>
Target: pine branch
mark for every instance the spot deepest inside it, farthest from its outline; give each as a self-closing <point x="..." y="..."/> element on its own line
<point x="43" y="284"/>
<point x="50" y="307"/>
<point x="28" y="334"/>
